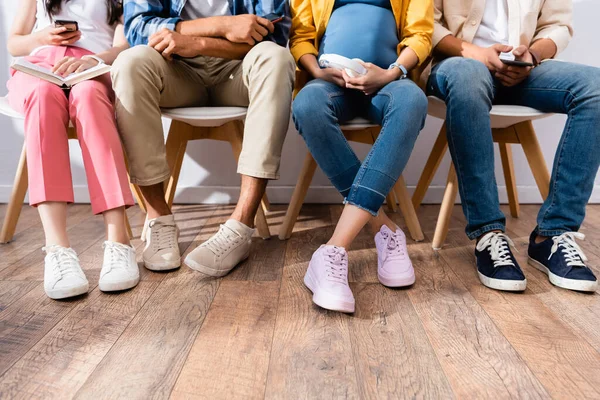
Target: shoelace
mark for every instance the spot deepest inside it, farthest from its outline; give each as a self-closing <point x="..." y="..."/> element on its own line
<point x="119" y="255"/>
<point x="337" y="265"/>
<point x="163" y="235"/>
<point x="393" y="244"/>
<point x="222" y="241"/>
<point x="573" y="253"/>
<point x="498" y="246"/>
<point x="64" y="260"/>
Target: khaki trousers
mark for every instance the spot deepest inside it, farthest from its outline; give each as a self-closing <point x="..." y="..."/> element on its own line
<point x="144" y="82"/>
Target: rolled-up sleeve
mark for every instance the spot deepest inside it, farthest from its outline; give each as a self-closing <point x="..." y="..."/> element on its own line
<point x="143" y="18"/>
<point x="418" y="29"/>
<point x="304" y="32"/>
<point x="555" y="22"/>
<point x="439" y="30"/>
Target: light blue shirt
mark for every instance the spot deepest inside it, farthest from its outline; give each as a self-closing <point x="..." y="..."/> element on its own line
<point x="364" y="29"/>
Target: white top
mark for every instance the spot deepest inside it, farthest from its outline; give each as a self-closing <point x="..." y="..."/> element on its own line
<point x="194" y="9"/>
<point x="91" y="15"/>
<point x="494" y="24"/>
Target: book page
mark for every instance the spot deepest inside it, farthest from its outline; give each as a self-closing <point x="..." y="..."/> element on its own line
<point x="31" y="66"/>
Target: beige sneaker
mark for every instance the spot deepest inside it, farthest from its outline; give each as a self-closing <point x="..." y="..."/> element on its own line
<point x="222" y="252"/>
<point x="162" y="250"/>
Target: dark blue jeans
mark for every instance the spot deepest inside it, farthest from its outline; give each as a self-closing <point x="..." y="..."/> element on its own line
<point x="400" y="108"/>
<point x="469" y="91"/>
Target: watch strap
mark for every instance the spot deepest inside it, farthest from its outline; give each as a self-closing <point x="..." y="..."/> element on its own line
<point x="402" y="69"/>
<point x="94" y="57"/>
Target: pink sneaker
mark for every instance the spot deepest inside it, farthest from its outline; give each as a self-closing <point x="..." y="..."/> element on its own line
<point x="327" y="278"/>
<point x="394" y="268"/>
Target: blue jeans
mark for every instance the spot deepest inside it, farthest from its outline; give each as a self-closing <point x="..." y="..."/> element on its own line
<point x="469" y="91"/>
<point x="400" y="108"/>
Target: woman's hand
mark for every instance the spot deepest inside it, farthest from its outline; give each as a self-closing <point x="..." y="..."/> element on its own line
<point x="52" y="36"/>
<point x="373" y="80"/>
<point x="330" y="75"/>
<point x="70" y="65"/>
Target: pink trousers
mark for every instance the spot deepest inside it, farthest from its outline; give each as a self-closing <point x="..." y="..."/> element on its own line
<point x="48" y="110"/>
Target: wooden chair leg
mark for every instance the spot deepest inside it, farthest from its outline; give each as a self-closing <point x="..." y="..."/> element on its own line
<point x="137" y="194"/>
<point x="176" y="145"/>
<point x="16" y="199"/>
<point x="535" y="157"/>
<point x="433" y="162"/>
<point x="128" y="227"/>
<point x="509" y="177"/>
<point x="391" y="201"/>
<point x="443" y="222"/>
<point x="266" y="204"/>
<point x="304" y="180"/>
<point x="408" y="210"/>
<point x="236" y="141"/>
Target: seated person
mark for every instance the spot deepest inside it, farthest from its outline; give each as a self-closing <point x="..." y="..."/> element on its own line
<point x="392" y="37"/>
<point x="203" y="53"/>
<point x="469" y="76"/>
<point x="48" y="109"/>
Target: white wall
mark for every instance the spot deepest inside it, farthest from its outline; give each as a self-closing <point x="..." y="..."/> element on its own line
<point x="209" y="172"/>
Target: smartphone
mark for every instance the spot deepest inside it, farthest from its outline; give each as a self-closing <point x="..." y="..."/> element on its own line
<point x="517" y="63"/>
<point x="71" y="26"/>
<point x="274" y="18"/>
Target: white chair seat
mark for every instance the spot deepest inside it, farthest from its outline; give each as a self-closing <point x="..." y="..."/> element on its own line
<point x="502" y="116"/>
<point x="6" y="109"/>
<point x="357" y="124"/>
<point x="205" y="116"/>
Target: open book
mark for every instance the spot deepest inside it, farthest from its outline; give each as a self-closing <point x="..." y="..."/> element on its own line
<point x="20" y="64"/>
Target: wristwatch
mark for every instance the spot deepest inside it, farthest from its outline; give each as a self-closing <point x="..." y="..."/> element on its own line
<point x="402" y="69"/>
<point x="93" y="57"/>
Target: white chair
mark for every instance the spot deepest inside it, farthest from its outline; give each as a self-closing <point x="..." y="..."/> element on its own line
<point x="510" y="125"/>
<point x="17" y="196"/>
<point x="362" y="131"/>
<point x="216" y="123"/>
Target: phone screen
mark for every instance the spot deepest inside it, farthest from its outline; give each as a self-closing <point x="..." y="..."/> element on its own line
<point x="71" y="26"/>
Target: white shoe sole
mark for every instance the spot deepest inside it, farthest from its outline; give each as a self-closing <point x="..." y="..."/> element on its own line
<point x="503" y="284"/>
<point x="118" y="286"/>
<point x="162" y="266"/>
<point x="565" y="283"/>
<point x="214" y="272"/>
<point x="65" y="293"/>
<point x="396" y="282"/>
<point x="326" y="300"/>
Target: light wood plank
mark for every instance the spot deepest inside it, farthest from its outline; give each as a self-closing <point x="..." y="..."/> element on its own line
<point x="230" y="357"/>
<point x="59" y="364"/>
<point x="392" y="353"/>
<point x="478" y="360"/>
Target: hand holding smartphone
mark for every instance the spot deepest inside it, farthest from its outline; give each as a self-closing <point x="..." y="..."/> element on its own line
<point x="71" y="26"/>
<point x="509" y="59"/>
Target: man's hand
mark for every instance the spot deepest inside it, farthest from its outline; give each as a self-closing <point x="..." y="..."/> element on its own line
<point x="490" y="56"/>
<point x="373" y="80"/>
<point x="247" y="28"/>
<point x="169" y="43"/>
<point x="513" y="75"/>
<point x="330" y="75"/>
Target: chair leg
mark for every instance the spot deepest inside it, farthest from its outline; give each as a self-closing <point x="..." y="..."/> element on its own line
<point x="304" y="180"/>
<point x="408" y="211"/>
<point x="266" y="204"/>
<point x="443" y="222"/>
<point x="128" y="227"/>
<point x="137" y="193"/>
<point x="391" y="201"/>
<point x="534" y="155"/>
<point x="17" y="198"/>
<point x="433" y="162"/>
<point x="175" y="147"/>
<point x="509" y="177"/>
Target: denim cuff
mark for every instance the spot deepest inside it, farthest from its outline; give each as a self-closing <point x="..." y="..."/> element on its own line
<point x="549" y="232"/>
<point x="365" y="199"/>
<point x="485" y="229"/>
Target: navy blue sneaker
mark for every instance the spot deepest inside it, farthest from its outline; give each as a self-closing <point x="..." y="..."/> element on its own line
<point x="497" y="267"/>
<point x="563" y="261"/>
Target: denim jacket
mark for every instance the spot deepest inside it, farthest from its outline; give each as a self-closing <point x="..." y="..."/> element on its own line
<point x="144" y="17"/>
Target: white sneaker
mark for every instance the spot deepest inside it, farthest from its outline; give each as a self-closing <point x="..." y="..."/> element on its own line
<point x="162" y="250"/>
<point x="222" y="252"/>
<point x="63" y="276"/>
<point x="119" y="269"/>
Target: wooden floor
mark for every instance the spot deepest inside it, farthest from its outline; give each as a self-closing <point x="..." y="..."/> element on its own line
<point x="256" y="334"/>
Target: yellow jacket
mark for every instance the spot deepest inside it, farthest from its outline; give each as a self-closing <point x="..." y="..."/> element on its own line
<point x="414" y="19"/>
